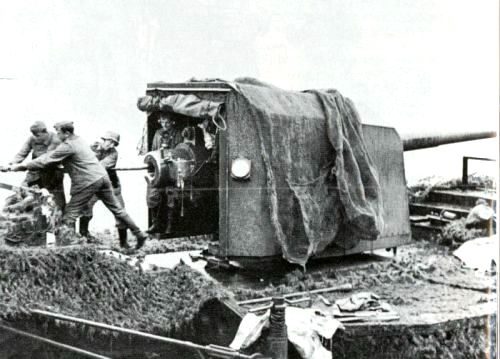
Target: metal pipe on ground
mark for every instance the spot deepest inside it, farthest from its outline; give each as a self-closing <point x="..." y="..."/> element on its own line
<point x="54" y="343"/>
<point x="214" y="350"/>
<point x="340" y="288"/>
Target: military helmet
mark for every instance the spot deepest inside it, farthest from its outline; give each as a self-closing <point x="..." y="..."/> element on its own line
<point x="38" y="126"/>
<point x="113" y="136"/>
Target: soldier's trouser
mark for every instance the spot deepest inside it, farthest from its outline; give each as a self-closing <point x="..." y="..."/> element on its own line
<point x="88" y="212"/>
<point x="161" y="203"/>
<point x="103" y="190"/>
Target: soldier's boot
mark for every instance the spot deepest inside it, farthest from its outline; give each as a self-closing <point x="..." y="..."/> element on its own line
<point x="155" y="227"/>
<point x="122" y="236"/>
<point x="169" y="217"/>
<point x="84" y="229"/>
<point x="141" y="239"/>
<point x="130" y="224"/>
<point x="84" y="226"/>
<point x="168" y="229"/>
<point x="156" y="222"/>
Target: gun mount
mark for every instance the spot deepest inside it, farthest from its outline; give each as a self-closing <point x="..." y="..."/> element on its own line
<point x="241" y="206"/>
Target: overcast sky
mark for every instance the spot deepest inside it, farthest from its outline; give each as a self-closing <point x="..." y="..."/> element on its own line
<point x="415" y="65"/>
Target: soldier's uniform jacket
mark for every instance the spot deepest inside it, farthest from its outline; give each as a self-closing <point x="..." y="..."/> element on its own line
<point x="37" y="147"/>
<point x="170" y="138"/>
<point x="108" y="159"/>
<point x="79" y="161"/>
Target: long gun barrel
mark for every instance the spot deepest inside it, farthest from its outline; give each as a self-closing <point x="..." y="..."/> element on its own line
<point x="411" y="143"/>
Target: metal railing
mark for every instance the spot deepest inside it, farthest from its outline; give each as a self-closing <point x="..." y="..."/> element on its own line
<point x="54" y="343"/>
<point x="204" y="351"/>
<point x="465" y="167"/>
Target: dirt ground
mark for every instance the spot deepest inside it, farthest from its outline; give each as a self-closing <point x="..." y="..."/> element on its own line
<point x="423" y="281"/>
<point x="425" y="284"/>
<point x="445" y="309"/>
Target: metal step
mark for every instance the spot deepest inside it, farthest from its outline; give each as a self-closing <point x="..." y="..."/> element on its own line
<point x="427" y="226"/>
<point x="418" y="219"/>
<point x="425" y="208"/>
<point x="438" y="221"/>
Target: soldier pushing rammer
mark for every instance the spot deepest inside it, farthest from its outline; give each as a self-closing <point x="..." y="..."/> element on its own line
<point x="107" y="155"/>
<point x="51" y="177"/>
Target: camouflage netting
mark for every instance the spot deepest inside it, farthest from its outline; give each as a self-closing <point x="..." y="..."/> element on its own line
<point x="82" y="282"/>
<point x="156" y="246"/>
<point x="27" y="215"/>
<point x="467" y="338"/>
<point x="419" y="191"/>
<point x="322" y="185"/>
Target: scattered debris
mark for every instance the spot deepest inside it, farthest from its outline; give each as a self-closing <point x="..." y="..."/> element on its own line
<point x="358" y="301"/>
<point x="341" y="288"/>
<point x="305" y="329"/>
<point x="324" y="300"/>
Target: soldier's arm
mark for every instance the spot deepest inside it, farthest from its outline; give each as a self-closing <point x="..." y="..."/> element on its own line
<point x="23" y="153"/>
<point x="110" y="160"/>
<point x="60" y="153"/>
<point x="96" y="147"/>
<point x="54" y="142"/>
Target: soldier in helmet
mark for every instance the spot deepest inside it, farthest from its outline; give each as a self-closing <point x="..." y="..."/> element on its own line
<point x="51" y="177"/>
<point x="107" y="155"/>
<point x="88" y="178"/>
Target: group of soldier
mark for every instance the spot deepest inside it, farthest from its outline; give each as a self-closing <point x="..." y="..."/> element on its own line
<point x="90" y="168"/>
<point x="93" y="174"/>
<point x="194" y="142"/>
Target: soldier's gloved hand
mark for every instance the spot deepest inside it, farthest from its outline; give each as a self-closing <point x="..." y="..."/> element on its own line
<point x="96" y="146"/>
<point x="203" y="124"/>
<point x="44" y="192"/>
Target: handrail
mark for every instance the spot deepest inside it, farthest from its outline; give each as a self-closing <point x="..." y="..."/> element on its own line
<point x="465" y="167"/>
<point x="220" y="352"/>
<point x="54" y="343"/>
